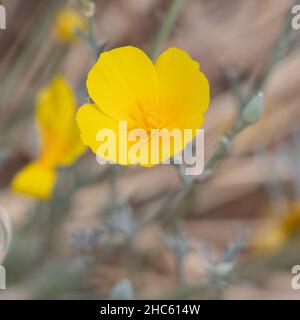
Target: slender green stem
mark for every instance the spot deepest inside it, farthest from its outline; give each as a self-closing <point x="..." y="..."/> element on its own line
<point x="224" y="146"/>
<point x="282" y="46"/>
<point x="179" y="271"/>
<point x="90" y="37"/>
<point x="284" y="43"/>
<point x="166" y="27"/>
<point x="234" y="79"/>
<point x="21" y="64"/>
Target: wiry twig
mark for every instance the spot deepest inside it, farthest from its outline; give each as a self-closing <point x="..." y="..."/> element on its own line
<point x="284" y="43"/>
<point x="90" y="37"/>
<point x="166" y="27"/>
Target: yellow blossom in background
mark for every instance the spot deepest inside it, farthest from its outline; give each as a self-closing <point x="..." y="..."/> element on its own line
<point x="126" y="85"/>
<point x="279" y="232"/>
<point x="60" y="142"/>
<point x="67" y="21"/>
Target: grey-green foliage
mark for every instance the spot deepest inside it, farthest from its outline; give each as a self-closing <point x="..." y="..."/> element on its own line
<point x="123" y="290"/>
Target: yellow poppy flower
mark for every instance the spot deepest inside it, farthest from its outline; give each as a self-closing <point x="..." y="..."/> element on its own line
<point x="125" y="85"/>
<point x="60" y="140"/>
<point x="67" y="21"/>
<point x="276" y="234"/>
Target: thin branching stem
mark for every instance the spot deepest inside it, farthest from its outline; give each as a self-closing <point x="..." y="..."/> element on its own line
<point x="166" y="27"/>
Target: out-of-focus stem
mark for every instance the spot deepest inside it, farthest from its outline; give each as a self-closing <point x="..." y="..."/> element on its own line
<point x="5" y="233"/>
<point x="166" y="27"/>
<point x="283" y="44"/>
<point x="179" y="271"/>
<point x="21" y="64"/>
<point x="250" y="114"/>
<point x="225" y="143"/>
<point x="90" y="37"/>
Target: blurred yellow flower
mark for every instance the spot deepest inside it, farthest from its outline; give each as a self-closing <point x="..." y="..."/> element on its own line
<point x="277" y="233"/>
<point x="60" y="140"/>
<point x="125" y="85"/>
<point x="67" y="21"/>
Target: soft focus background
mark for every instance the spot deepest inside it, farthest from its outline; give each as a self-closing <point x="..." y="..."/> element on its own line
<point x="115" y="232"/>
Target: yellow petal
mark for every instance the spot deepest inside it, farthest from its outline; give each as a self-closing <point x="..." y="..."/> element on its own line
<point x="91" y="120"/>
<point x="35" y="180"/>
<point x="55" y="115"/>
<point x="123" y="84"/>
<point x="73" y="148"/>
<point x="67" y="22"/>
<point x="183" y="88"/>
<point x="125" y="149"/>
<point x="162" y="145"/>
<point x="55" y="108"/>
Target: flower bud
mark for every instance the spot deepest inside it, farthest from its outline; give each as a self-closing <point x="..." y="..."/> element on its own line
<point x="254" y="109"/>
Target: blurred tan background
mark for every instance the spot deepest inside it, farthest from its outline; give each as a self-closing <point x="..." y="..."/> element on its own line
<point x="244" y="189"/>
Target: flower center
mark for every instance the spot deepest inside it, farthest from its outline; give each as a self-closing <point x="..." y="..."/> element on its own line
<point x="145" y="119"/>
<point x="152" y="120"/>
